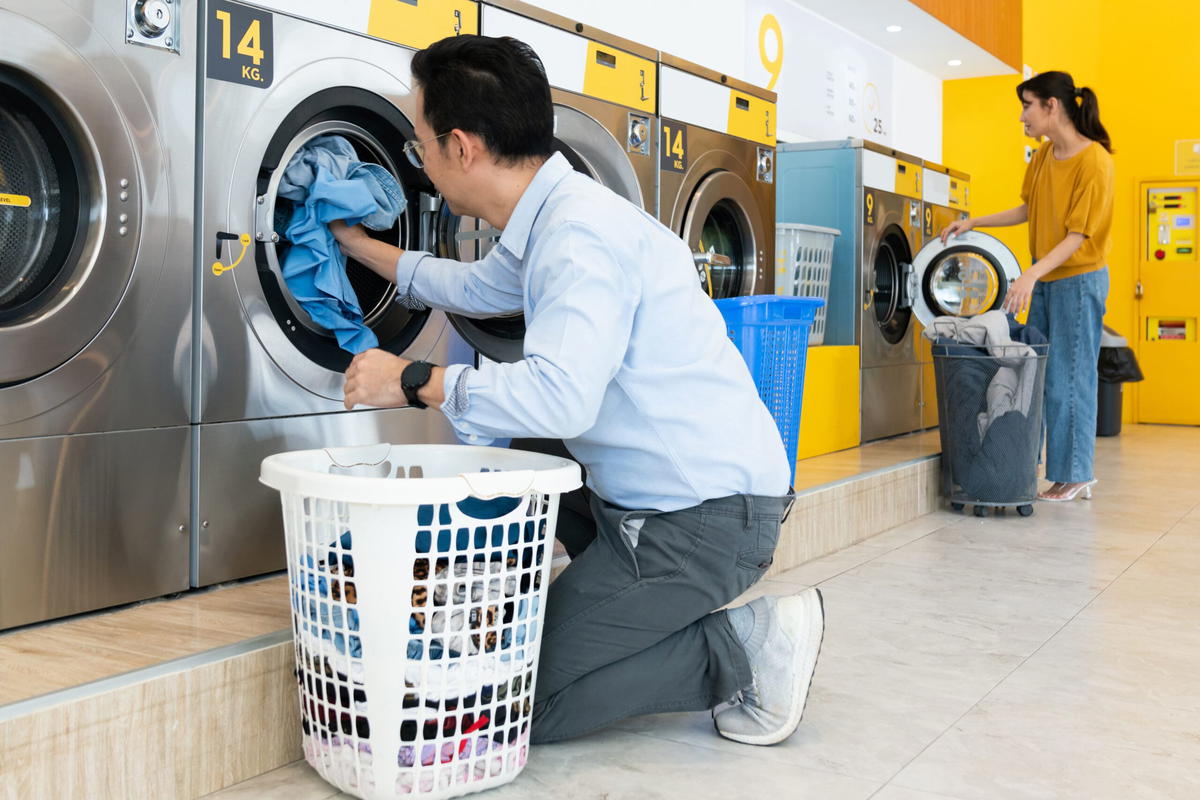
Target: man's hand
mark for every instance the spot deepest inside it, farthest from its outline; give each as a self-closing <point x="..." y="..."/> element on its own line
<point x="350" y="237"/>
<point x="373" y="379"/>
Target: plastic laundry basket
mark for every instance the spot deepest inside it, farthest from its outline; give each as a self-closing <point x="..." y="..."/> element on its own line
<point x="803" y="265"/>
<point x="418" y="576"/>
<point x="771" y="332"/>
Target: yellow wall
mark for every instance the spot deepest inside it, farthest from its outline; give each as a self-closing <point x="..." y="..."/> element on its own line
<point x="1141" y="61"/>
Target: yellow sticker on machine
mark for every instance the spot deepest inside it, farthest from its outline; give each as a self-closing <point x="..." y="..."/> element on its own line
<point x="619" y="77"/>
<point x="908" y="179"/>
<point x="751" y="118"/>
<point x="420" y="23"/>
<point x="960" y="194"/>
<point x="18" y="200"/>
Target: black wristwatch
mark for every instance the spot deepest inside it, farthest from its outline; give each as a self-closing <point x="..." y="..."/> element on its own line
<point x="414" y="376"/>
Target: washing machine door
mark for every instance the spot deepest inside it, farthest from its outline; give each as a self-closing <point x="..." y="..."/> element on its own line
<point x="592" y="150"/>
<point x="967" y="276"/>
<point x="888" y="297"/>
<point x="363" y="113"/>
<point x="723" y="235"/>
<point x="70" y="201"/>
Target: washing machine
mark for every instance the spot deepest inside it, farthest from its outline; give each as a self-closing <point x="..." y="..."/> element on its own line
<point x="967" y="276"/>
<point x="946" y="197"/>
<point x="268" y="377"/>
<point x="96" y="159"/>
<point x="603" y="91"/>
<point x="717" y="173"/>
<point x="872" y="194"/>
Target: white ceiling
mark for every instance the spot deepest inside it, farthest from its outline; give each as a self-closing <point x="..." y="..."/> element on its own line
<point x="925" y="41"/>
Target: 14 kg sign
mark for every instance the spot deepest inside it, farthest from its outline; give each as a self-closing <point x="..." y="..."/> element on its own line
<point x="240" y="47"/>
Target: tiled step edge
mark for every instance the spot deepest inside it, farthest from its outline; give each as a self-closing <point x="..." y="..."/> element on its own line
<point x="174" y="731"/>
<point x="828" y="518"/>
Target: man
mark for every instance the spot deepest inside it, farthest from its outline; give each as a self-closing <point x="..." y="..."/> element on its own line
<point x="626" y="360"/>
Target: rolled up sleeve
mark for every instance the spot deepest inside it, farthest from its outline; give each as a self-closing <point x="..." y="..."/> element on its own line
<point x="483" y="288"/>
<point x="583" y="304"/>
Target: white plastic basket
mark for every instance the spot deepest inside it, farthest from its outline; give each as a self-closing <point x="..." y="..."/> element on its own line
<point x="803" y="265"/>
<point x="418" y="576"/>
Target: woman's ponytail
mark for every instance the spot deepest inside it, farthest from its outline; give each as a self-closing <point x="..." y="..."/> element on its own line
<point x="1087" y="118"/>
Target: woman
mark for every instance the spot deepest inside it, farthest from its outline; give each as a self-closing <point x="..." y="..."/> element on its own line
<point x="1068" y="199"/>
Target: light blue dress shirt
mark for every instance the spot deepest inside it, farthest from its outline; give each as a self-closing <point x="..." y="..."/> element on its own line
<point x="626" y="359"/>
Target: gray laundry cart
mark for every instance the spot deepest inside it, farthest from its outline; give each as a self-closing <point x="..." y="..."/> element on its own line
<point x="988" y="462"/>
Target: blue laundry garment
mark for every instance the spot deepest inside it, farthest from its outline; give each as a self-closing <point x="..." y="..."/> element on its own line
<point x="326" y="181"/>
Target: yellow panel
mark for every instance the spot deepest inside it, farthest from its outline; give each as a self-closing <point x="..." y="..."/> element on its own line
<point x="1171" y="223"/>
<point x="908" y="179"/>
<point x="960" y="194"/>
<point x="830" y="416"/>
<point x="619" y="77"/>
<point x="751" y="118"/>
<point x="19" y="200"/>
<point x="421" y="23"/>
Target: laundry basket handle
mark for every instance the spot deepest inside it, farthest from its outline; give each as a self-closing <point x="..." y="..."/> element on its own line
<point x="490" y="485"/>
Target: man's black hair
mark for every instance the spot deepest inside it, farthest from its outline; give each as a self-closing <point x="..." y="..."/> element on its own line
<point x="494" y="88"/>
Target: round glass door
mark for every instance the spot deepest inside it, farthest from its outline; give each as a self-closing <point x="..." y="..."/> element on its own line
<point x="892" y="312"/>
<point x="43" y="190"/>
<point x="962" y="284"/>
<point x="965" y="277"/>
<point x="374" y="129"/>
<point x="721" y="252"/>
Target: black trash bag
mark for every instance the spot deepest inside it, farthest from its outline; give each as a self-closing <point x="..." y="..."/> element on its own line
<point x="1119" y="365"/>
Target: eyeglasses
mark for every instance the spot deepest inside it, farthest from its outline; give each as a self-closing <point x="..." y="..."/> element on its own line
<point x="414" y="151"/>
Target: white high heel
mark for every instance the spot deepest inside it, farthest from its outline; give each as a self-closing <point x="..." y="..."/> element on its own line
<point x="1084" y="488"/>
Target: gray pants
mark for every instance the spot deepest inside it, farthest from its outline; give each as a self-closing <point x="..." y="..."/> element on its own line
<point x="628" y="628"/>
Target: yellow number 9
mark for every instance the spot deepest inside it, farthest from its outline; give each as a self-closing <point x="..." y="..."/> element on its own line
<point x="773" y="65"/>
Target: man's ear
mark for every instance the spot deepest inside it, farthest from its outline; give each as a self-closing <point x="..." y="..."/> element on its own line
<point x="467" y="148"/>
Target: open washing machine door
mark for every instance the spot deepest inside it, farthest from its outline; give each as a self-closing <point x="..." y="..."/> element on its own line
<point x="592" y="150"/>
<point x="967" y="276"/>
<point x="306" y="351"/>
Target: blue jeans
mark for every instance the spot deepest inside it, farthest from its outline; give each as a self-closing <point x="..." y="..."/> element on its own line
<point x="1070" y="312"/>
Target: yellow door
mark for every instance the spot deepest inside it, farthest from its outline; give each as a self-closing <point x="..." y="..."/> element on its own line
<point x="1168" y="304"/>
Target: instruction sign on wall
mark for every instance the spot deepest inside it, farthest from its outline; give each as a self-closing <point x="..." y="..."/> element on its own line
<point x="1187" y="157"/>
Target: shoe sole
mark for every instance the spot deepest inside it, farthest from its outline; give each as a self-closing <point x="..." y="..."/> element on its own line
<point x="815" y="629"/>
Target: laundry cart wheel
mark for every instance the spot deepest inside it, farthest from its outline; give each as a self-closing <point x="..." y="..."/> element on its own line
<point x="981" y="511"/>
<point x="957" y="506"/>
<point x="1025" y="510"/>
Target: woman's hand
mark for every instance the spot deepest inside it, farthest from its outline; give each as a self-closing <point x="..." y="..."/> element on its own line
<point x="1020" y="293"/>
<point x="955" y="228"/>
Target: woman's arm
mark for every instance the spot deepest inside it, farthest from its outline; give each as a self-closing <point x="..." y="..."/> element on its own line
<point x="1001" y="219"/>
<point x="1020" y="292"/>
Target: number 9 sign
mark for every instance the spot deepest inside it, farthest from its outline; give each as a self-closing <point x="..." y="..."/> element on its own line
<point x="773" y="66"/>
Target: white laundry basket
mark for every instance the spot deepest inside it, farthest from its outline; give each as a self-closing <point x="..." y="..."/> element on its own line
<point x="803" y="266"/>
<point x="418" y="576"/>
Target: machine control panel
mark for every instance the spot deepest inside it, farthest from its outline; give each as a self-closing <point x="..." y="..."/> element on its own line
<point x="1171" y="223"/>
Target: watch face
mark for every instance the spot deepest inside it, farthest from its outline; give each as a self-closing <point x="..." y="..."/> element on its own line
<point x="416" y="375"/>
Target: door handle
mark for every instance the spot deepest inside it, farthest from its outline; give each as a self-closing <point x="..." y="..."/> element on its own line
<point x="1138" y="292"/>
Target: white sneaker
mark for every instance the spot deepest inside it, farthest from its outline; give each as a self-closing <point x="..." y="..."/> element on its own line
<point x="771" y="708"/>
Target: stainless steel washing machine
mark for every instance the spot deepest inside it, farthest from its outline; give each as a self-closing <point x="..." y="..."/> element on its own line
<point x="891" y="372"/>
<point x="96" y="159"/>
<point x="269" y="378"/>
<point x="946" y="197"/>
<point x="717" y="173"/>
<point x="603" y="90"/>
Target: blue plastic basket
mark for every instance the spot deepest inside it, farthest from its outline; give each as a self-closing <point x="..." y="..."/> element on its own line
<point x="771" y="332"/>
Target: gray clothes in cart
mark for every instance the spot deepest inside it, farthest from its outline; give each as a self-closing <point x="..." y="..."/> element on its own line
<point x="1012" y="387"/>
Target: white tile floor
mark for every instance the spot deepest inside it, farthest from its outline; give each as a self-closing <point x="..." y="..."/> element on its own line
<point x="1050" y="657"/>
